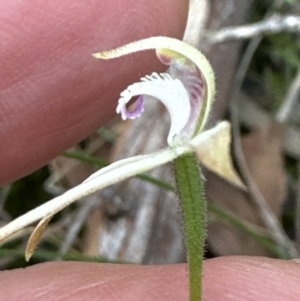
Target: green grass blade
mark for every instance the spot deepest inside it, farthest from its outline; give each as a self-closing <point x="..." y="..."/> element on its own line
<point x="102" y="163"/>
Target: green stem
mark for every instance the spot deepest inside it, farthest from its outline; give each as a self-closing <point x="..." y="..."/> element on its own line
<point x="190" y="189"/>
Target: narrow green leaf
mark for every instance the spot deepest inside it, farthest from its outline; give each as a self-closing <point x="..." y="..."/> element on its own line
<point x="102" y="162"/>
<point x="81" y="156"/>
<point x="263" y="240"/>
<point x="45" y="255"/>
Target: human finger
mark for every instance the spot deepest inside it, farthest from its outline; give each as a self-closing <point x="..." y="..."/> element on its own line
<point x="53" y="93"/>
<point x="225" y="278"/>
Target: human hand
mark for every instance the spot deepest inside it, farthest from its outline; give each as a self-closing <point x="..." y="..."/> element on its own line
<point x="53" y="94"/>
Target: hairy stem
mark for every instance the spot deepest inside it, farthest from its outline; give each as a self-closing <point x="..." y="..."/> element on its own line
<point x="190" y="189"/>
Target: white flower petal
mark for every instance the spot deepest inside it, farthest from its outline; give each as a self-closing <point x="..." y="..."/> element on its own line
<point x="171" y="92"/>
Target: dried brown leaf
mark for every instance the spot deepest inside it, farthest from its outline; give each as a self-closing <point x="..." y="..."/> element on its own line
<point x="263" y="154"/>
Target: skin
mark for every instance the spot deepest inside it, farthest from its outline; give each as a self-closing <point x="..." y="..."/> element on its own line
<point x="53" y="94"/>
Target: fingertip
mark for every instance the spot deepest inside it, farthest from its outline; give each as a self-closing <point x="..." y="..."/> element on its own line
<point x="225" y="278"/>
<point x="53" y="92"/>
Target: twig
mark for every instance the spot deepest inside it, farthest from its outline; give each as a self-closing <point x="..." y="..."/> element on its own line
<point x="255" y="195"/>
<point x="289" y="101"/>
<point x="274" y="24"/>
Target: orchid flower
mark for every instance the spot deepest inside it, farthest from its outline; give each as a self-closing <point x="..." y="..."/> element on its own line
<point x="187" y="91"/>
